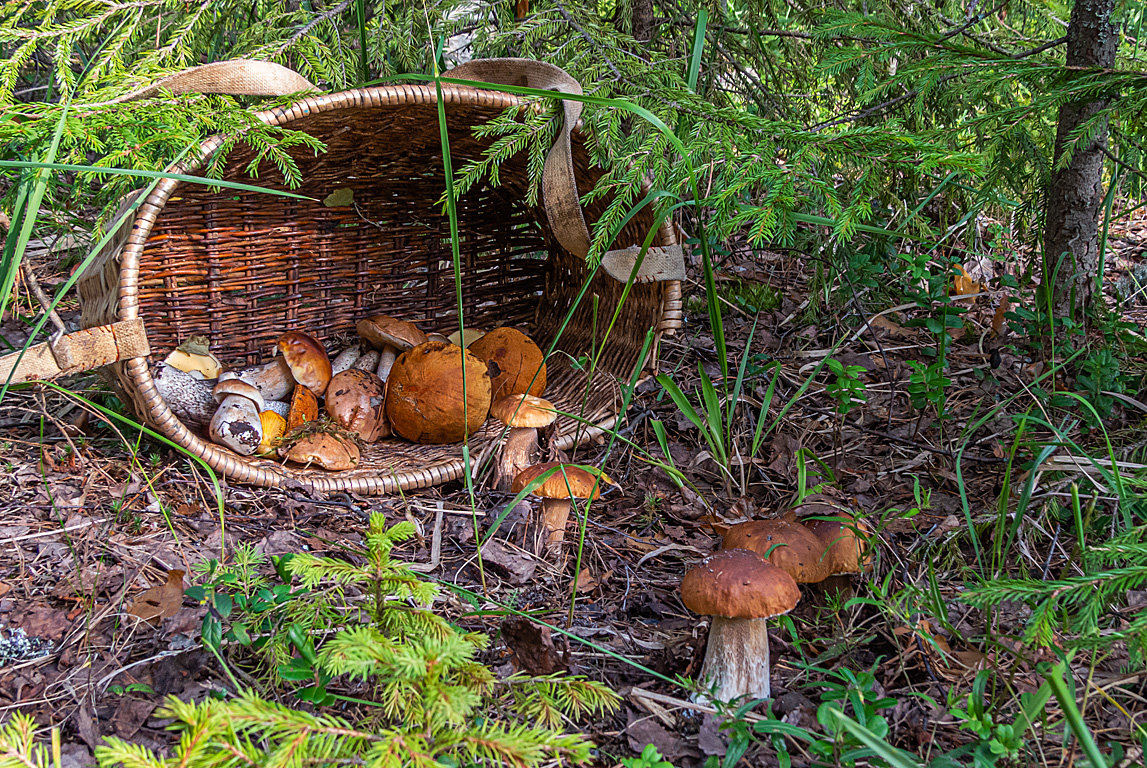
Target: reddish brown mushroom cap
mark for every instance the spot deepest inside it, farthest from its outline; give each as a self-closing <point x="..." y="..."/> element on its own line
<point x="356" y="400"/>
<point x="581" y="483"/>
<point x="514" y="360"/>
<point x="326" y="450"/>
<point x="425" y="398"/>
<point x="846" y="540"/>
<point x="738" y="584"/>
<point x="525" y="411"/>
<point x="307" y="359"/>
<point x="789" y="546"/>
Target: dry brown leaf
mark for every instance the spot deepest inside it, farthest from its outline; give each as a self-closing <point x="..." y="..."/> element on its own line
<point x="881" y="322"/>
<point x="999" y="319"/>
<point x="160" y="601"/>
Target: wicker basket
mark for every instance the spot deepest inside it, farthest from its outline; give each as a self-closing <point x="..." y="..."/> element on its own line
<point x="241" y="268"/>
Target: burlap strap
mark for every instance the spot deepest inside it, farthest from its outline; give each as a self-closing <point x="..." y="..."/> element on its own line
<point x="559" y="183"/>
<point x="75" y="352"/>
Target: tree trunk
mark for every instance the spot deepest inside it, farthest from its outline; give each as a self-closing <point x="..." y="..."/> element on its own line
<point x="643" y="20"/>
<point x="1075" y="195"/>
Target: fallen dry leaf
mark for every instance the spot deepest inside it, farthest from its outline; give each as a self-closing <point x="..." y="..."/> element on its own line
<point x="999" y="319"/>
<point x="532" y="647"/>
<point x="160" y="601"/>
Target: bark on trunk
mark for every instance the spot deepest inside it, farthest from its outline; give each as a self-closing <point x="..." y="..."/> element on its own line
<point x="1075" y="195"/>
<point x="643" y="20"/>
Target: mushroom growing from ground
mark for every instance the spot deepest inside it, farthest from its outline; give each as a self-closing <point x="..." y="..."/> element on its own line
<point x="741" y="591"/>
<point x="236" y="423"/>
<point x="524" y="415"/>
<point x="789" y="546"/>
<point x="845" y="539"/>
<point x="557" y="495"/>
<point x="299" y="358"/>
<point x="517" y="365"/>
<point x="329" y="451"/>
<point x="391" y="337"/>
<point x="425" y="400"/>
<point x="356" y="401"/>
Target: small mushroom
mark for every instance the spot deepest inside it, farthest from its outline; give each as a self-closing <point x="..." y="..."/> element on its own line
<point x="390" y="336"/>
<point x="304" y="408"/>
<point x="517" y="365"/>
<point x="425" y="398"/>
<point x="189" y="398"/>
<point x="356" y="401"/>
<point x="557" y="491"/>
<point x="741" y="591"/>
<point x="792" y="547"/>
<point x="327" y="450"/>
<point x="274" y="427"/>
<point x="846" y="539"/>
<point x="524" y="415"/>
<point x="236" y="423"/>
<point x="302" y="359"/>
<point x="467" y="336"/>
<point x="345" y="359"/>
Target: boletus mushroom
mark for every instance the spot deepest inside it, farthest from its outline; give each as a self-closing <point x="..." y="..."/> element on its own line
<point x="194" y="357"/>
<point x="391" y="337"/>
<point x="425" y="398"/>
<point x="356" y="401"/>
<point x="557" y="491"/>
<point x="789" y="546"/>
<point x="300" y="358"/>
<point x="345" y="359"/>
<point x="327" y="450"/>
<point x="304" y="407"/>
<point x="741" y="591"/>
<point x="189" y="398"/>
<point x="236" y="423"/>
<point x="517" y="365"/>
<point x="524" y="415"/>
<point x="846" y="539"/>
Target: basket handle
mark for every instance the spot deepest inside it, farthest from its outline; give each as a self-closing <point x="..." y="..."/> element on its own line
<point x="559" y="184"/>
<point x="94" y="347"/>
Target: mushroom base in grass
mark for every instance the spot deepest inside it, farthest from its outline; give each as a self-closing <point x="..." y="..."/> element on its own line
<point x="736" y="660"/>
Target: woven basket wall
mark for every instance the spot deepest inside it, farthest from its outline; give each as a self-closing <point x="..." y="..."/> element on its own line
<point x="241" y="268"/>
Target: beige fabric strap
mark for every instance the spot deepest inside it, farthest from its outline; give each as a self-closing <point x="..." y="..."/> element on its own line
<point x="75" y="352"/>
<point x="238" y="77"/>
<point x="559" y="184"/>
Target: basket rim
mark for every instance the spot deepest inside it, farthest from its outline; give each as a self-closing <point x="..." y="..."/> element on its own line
<point x="259" y="472"/>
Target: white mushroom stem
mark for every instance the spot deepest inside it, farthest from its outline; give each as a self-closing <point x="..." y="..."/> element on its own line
<point x="279" y="407"/>
<point x="386" y="357"/>
<point x="345" y="359"/>
<point x="368" y="361"/>
<point x="237" y="425"/>
<point x="189" y="398"/>
<point x="519" y="452"/>
<point x="736" y="659"/>
<point x="555" y="515"/>
<point x="273" y="380"/>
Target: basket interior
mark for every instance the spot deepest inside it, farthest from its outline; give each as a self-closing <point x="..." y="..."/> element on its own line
<point x="241" y="268"/>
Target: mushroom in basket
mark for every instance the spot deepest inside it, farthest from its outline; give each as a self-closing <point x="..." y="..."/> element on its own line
<point x="517" y="365"/>
<point x="300" y="358"/>
<point x="356" y="401"/>
<point x="425" y="399"/>
<point x="236" y="423"/>
<point x="391" y="337"/>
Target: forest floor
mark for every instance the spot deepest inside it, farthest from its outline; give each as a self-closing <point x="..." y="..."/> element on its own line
<point x="93" y="518"/>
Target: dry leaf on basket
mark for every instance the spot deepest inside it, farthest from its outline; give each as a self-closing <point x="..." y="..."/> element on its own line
<point x="160" y="601"/>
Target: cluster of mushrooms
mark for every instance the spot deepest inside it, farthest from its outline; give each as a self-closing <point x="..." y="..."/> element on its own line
<point x="754" y="577"/>
<point x="395" y="380"/>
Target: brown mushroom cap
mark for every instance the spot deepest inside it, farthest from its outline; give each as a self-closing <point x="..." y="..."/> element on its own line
<point x="356" y="400"/>
<point x="328" y="451"/>
<point x="383" y="331"/>
<point x="524" y="411"/>
<point x="513" y="359"/>
<point x="795" y="549"/>
<point x="738" y="584"/>
<point x="228" y="387"/>
<point x="307" y="359"/>
<point x="846" y="540"/>
<point x="424" y="399"/>
<point x="581" y="483"/>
